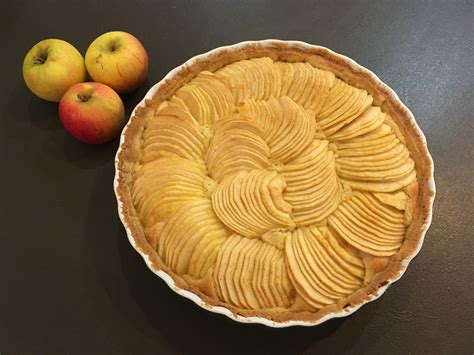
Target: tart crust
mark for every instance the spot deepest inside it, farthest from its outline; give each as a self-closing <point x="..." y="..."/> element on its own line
<point x="420" y="194"/>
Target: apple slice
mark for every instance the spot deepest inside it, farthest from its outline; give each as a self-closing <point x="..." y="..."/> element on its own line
<point x="243" y="271"/>
<point x="286" y="127"/>
<point x="305" y="84"/>
<point x="182" y="236"/>
<point x="162" y="186"/>
<point x="247" y="79"/>
<point x="376" y="161"/>
<point x="301" y="274"/>
<point x="205" y="252"/>
<point x="172" y="133"/>
<point x="369" y="225"/>
<point x="236" y="146"/>
<point x="343" y="104"/>
<point x="397" y="199"/>
<point x="252" y="209"/>
<point x="205" y="97"/>
<point x="312" y="186"/>
<point x="370" y="120"/>
<point x="251" y="274"/>
<point x="321" y="269"/>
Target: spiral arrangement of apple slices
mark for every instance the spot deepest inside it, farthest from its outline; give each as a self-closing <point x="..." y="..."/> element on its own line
<point x="375" y="161"/>
<point x="286" y="127"/>
<point x="236" y="146"/>
<point x="257" y="79"/>
<point x="313" y="188"/>
<point x="189" y="240"/>
<point x="321" y="269"/>
<point x="164" y="185"/>
<point x="250" y="273"/>
<point x="369" y="225"/>
<point x="266" y="182"/>
<point x="206" y="98"/>
<point x="173" y="133"/>
<point x="305" y="84"/>
<point x="251" y="203"/>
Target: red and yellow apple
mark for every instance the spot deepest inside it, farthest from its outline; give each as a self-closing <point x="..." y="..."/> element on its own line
<point x="92" y="112"/>
<point x="118" y="60"/>
<point x="51" y="67"/>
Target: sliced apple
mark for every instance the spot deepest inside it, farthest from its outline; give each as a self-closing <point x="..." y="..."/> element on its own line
<point x="343" y="104"/>
<point x="251" y="209"/>
<point x="181" y="237"/>
<point x="397" y="199"/>
<point x="375" y="161"/>
<point x="172" y="133"/>
<point x="276" y="238"/>
<point x="246" y="272"/>
<point x="305" y="84"/>
<point x="162" y="186"/>
<point x="205" y="97"/>
<point x="257" y="274"/>
<point x="312" y="186"/>
<point x="371" y="119"/>
<point x="251" y="274"/>
<point x="205" y="252"/>
<point x="369" y="225"/>
<point x="286" y="127"/>
<point x="321" y="269"/>
<point x="236" y="146"/>
<point x="255" y="78"/>
<point x="153" y="232"/>
<point x="221" y="267"/>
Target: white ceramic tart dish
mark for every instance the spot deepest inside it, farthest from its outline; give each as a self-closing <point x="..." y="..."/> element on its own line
<point x="275" y="182"/>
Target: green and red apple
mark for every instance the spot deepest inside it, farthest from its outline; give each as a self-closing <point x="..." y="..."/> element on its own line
<point x="51" y="67"/>
<point x="92" y="112"/>
<point x="117" y="59"/>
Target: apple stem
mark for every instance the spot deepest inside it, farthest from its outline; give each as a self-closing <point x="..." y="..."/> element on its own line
<point x="39" y="60"/>
<point x="41" y="57"/>
<point x="83" y="97"/>
<point x="114" y="45"/>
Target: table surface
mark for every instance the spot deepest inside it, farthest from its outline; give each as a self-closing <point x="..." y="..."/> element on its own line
<point x="71" y="282"/>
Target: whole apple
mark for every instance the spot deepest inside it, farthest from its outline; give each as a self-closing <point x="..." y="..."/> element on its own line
<point x="118" y="60"/>
<point x="51" y="67"/>
<point x="92" y="112"/>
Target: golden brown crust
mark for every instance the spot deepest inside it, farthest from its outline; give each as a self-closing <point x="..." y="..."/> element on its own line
<point x="421" y="195"/>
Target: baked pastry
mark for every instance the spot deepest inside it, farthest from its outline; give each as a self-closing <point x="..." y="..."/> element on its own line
<point x="276" y="182"/>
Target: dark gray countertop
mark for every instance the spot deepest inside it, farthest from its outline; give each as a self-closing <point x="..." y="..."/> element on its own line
<point x="70" y="281"/>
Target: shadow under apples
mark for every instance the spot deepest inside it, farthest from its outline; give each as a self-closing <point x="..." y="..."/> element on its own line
<point x="88" y="156"/>
<point x="25" y="112"/>
<point x="131" y="99"/>
<point x="43" y="114"/>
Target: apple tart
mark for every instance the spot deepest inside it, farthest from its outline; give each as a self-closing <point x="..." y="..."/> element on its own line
<point x="275" y="182"/>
